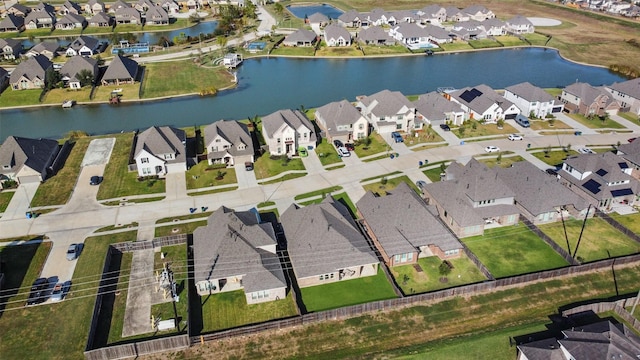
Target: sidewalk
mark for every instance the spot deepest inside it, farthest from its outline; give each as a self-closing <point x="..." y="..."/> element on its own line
<point x="20" y="202"/>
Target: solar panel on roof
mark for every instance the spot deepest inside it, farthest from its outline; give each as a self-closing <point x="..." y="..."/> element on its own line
<point x="470" y="95"/>
<point x="623" y="165"/>
<point x="592" y="186"/>
<point x="602" y="172"/>
<point x="621" y="192"/>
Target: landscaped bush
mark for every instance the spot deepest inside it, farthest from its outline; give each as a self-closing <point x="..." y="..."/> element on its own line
<point x="9" y="184"/>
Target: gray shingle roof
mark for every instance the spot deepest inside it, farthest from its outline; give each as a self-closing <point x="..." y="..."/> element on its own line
<point x="530" y="92"/>
<point x="12" y="22"/>
<point x="121" y="68"/>
<point x="301" y="35"/>
<point x="336" y="114"/>
<point x="317" y="18"/>
<point x="402" y="223"/>
<point x="630" y="152"/>
<point x="100" y="17"/>
<point x="375" y="34"/>
<point x="334" y="31"/>
<point x="45" y="46"/>
<point x="40" y="17"/>
<point x="3" y="73"/>
<point x="162" y="140"/>
<point x="411" y="30"/>
<point x="292" y="118"/>
<point x="234" y="132"/>
<point x="387" y="103"/>
<point x="602" y="340"/>
<point x="481" y="98"/>
<point x="630" y="87"/>
<point x="587" y="93"/>
<point x="157" y="14"/>
<point x="323" y="238"/>
<point x="83" y="40"/>
<point x="436" y="32"/>
<point x="33" y="153"/>
<point x="519" y="20"/>
<point x="34" y="67"/>
<point x="232" y="244"/>
<point x="433" y="106"/>
<point x="78" y="63"/>
<point x="350" y="16"/>
<point x="72" y="18"/>
<point x="546" y="349"/>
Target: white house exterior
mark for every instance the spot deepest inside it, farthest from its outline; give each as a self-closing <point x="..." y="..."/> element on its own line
<point x="389" y="111"/>
<point x="160" y="150"/>
<point x="627" y="93"/>
<point x="341" y="120"/>
<point x="336" y="35"/>
<point x="228" y="142"/>
<point x="285" y="131"/>
<point x="520" y="25"/>
<point x="530" y="99"/>
<point x="482" y="103"/>
<point x="411" y="35"/>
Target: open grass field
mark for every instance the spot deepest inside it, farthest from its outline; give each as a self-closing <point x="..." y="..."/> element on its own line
<point x="599" y="239"/>
<point x="596" y="123"/>
<point x="428" y="327"/>
<point x="10" y="97"/>
<point x="327" y="153"/>
<point x="203" y="175"/>
<point x="348" y="292"/>
<point x="513" y="250"/>
<point x="5" y="199"/>
<point x="266" y="167"/>
<point x="631" y="221"/>
<point x="229" y="309"/>
<point x="411" y="281"/>
<point x="118" y="180"/>
<point x="182" y="77"/>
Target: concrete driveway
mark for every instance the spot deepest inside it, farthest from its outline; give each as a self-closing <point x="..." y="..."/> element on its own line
<point x="57" y="263"/>
<point x="246" y="179"/>
<point x="312" y="163"/>
<point x="20" y="202"/>
<point x="176" y="186"/>
<point x="448" y="136"/>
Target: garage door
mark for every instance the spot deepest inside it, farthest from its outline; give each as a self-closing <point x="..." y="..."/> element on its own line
<point x="510" y="116"/>
<point x="29" y="179"/>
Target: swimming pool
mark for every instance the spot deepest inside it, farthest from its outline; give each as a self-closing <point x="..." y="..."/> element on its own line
<point x="308" y="10"/>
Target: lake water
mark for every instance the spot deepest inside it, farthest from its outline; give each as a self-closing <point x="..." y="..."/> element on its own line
<point x="270" y="84"/>
<point x="300" y="11"/>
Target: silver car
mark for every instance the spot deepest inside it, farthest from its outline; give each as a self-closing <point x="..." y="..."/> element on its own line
<point x="73" y="251"/>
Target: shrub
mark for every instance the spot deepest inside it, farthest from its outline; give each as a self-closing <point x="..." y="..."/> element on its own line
<point x="9" y="184"/>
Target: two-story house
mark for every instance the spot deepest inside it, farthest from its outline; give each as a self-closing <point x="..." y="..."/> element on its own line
<point x="532" y="100"/>
<point x="285" y="131"/>
<point x="10" y="49"/>
<point x="482" y="103"/>
<point x="587" y="100"/>
<point x="389" y="111"/>
<point x="160" y="150"/>
<point x="627" y="94"/>
<point x="520" y="25"/>
<point x="341" y="120"/>
<point x="228" y="142"/>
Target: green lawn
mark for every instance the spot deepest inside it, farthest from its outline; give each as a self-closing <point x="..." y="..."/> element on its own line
<point x="327" y="153"/>
<point x="596" y="123"/>
<point x="129" y="92"/>
<point x="173" y="229"/>
<point x="118" y="180"/>
<point x="391" y="183"/>
<point x="426" y="136"/>
<point x="434" y="173"/>
<point x="467" y="131"/>
<point x="57" y="189"/>
<point x="10" y="97"/>
<point x="229" y="309"/>
<point x="203" y="175"/>
<point x="338" y="51"/>
<point x="554" y="157"/>
<point x="266" y="167"/>
<point x="513" y="250"/>
<point x="505" y="161"/>
<point x="599" y="239"/>
<point x="184" y="217"/>
<point x="412" y="282"/>
<point x="456" y="46"/>
<point x="546" y="125"/>
<point x="182" y="77"/>
<point x="347" y="292"/>
<point x="508" y="40"/>
<point x="5" y="199"/>
<point x="629" y="116"/>
<point x="22" y="265"/>
<point x="631" y="221"/>
<point x="483" y="44"/>
<point x="318" y="192"/>
<point x="369" y="50"/>
<point x="294" y="51"/>
<point x="378" y="145"/>
<point x="176" y="256"/>
<point x="536" y="39"/>
<point x="58" y="96"/>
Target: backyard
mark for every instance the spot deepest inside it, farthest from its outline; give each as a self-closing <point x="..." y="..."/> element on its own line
<point x="347" y="292"/>
<point x="428" y="278"/>
<point x="513" y="250"/>
<point x="599" y="239"/>
<point x="631" y="221"/>
<point x="183" y="77"/>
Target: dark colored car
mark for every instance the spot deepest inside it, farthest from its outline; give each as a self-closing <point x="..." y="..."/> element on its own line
<point x="95" y="180"/>
<point x="631" y="140"/>
<point x="445" y="127"/>
<point x="337" y="143"/>
<point x="397" y="137"/>
<point x="350" y="146"/>
<point x="552" y="172"/>
<point x="248" y="166"/>
<point x="38" y="293"/>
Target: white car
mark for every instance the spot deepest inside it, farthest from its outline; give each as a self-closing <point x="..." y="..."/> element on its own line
<point x="343" y="152"/>
<point x="514" y="137"/>
<point x="585" y="150"/>
<point x="491" y="149"/>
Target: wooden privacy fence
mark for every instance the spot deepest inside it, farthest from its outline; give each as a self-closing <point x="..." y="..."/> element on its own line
<point x="616" y="306"/>
<point x="157" y="242"/>
<point x="611" y="221"/>
<point x="550" y="242"/>
<point x="139" y="348"/>
<point x="104" y="280"/>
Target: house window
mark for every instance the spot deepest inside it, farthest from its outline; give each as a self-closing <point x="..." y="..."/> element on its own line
<point x="146" y="171"/>
<point x="400" y="117"/>
<point x="361" y="127"/>
<point x="398" y="126"/>
<point x="218" y="140"/>
<point x="168" y="156"/>
<point x="144" y="160"/>
<point x="279" y="140"/>
<point x="417" y="125"/>
<point x="279" y="150"/>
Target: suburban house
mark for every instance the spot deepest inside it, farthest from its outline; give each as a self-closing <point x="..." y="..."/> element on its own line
<point x="540" y="197"/>
<point x="237" y="251"/>
<point x="532" y="100"/>
<point x="389" y="111"/>
<point x="73" y="70"/>
<point x="39" y="20"/>
<point x="379" y="17"/>
<point x="340" y="120"/>
<point x="434" y="109"/>
<point x="301" y="37"/>
<point x="18" y="9"/>
<point x="118" y="4"/>
<point x="101" y="19"/>
<point x="128" y="15"/>
<point x="31" y="73"/>
<point x="325" y="245"/>
<point x="157" y="15"/>
<point x="4" y="79"/>
<point x="404" y="229"/>
<point x="482" y="103"/>
<point x="336" y="35"/>
<point x="455" y="15"/>
<point x="70" y="7"/>
<point x="375" y="35"/>
<point x="71" y="21"/>
<point x="627" y="93"/>
<point x="411" y="35"/>
<point x="602" y="179"/>
<point x="170" y="6"/>
<point x="143" y="5"/>
<point x="478" y="13"/>
<point x="84" y="46"/>
<point x="11" y="48"/>
<point x="287" y="130"/>
<point x="587" y="100"/>
<point x="601" y="340"/>
<point x="319" y="19"/>
<point x="46" y="48"/>
<point x="471" y="198"/>
<point x="468" y="30"/>
<point x="160" y="150"/>
<point x="494" y="27"/>
<point x="12" y="23"/>
<point x="45" y="7"/>
<point x="432" y="14"/>
<point x="353" y="19"/>
<point x="631" y="153"/>
<point x="437" y="35"/>
<point x="122" y="70"/>
<point x="26" y="160"/>
<point x="520" y="25"/>
<point x="408" y="16"/>
<point x="94" y="7"/>
<point x="228" y="142"/>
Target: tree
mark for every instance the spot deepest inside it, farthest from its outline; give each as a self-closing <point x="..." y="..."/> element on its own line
<point x="461" y="130"/>
<point x="85" y="77"/>
<point x="567" y="148"/>
<point x="444" y="269"/>
<point x="222" y="41"/>
<point x="278" y="8"/>
<point x="552" y="121"/>
<point x="500" y="123"/>
<point x="547" y="151"/>
<point x="499" y="158"/>
<point x="51" y="78"/>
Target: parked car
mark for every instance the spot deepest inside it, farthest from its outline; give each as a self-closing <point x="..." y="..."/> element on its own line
<point x="491" y="149"/>
<point x="73" y="251"/>
<point x="514" y="137"/>
<point x="631" y="140"/>
<point x="38" y="295"/>
<point x="343" y="152"/>
<point x="95" y="180"/>
<point x="350" y="146"/>
<point x="397" y="137"/>
<point x="337" y="143"/>
<point x="248" y="165"/>
<point x="302" y="151"/>
<point x="421" y="184"/>
<point x="585" y="150"/>
<point x="552" y="172"/>
<point x="522" y="121"/>
<point x="445" y="127"/>
<point x="60" y="291"/>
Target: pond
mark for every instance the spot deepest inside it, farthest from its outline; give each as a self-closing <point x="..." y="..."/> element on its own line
<point x="302" y="11"/>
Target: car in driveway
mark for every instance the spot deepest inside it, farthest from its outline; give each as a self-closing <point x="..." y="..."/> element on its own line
<point x="514" y="137"/>
<point x="350" y="146"/>
<point x="343" y="152"/>
<point x="397" y="137"/>
<point x="552" y="172"/>
<point x="421" y="184"/>
<point x="248" y="165"/>
<point x="95" y="180"/>
<point x="445" y="127"/>
<point x="73" y="252"/>
<point x="491" y="149"/>
<point x="337" y="143"/>
<point x="585" y="150"/>
<point x="631" y="140"/>
<point x="38" y="292"/>
<point x="60" y="290"/>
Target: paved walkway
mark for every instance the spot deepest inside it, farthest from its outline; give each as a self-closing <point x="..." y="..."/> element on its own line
<point x="137" y="314"/>
<point x="20" y="202"/>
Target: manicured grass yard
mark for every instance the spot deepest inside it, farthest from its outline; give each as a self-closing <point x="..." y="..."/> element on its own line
<point x="327" y="153"/>
<point x="434" y="173"/>
<point x="505" y="162"/>
<point x="629" y="116"/>
<point x="118" y="180"/>
<point x="129" y="92"/>
<point x="266" y="167"/>
<point x="378" y="145"/>
<point x="596" y="123"/>
<point x="383" y="50"/>
<point x="203" y="175"/>
<point x="294" y="50"/>
<point x="229" y="309"/>
<point x="413" y="282"/>
<point x="456" y="45"/>
<point x="186" y="228"/>
<point x="482" y="130"/>
<point x="5" y="199"/>
<point x="391" y="184"/>
<point x="338" y="51"/>
<point x="513" y="250"/>
<point x="508" y="40"/>
<point x="347" y="292"/>
<point x="19" y="98"/>
<point x="58" y="96"/>
<point x="599" y="240"/>
<point x="426" y="136"/>
<point x="182" y="77"/>
<point x="554" y="157"/>
<point x="536" y="39"/>
<point x="631" y="221"/>
<point x="483" y="44"/>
